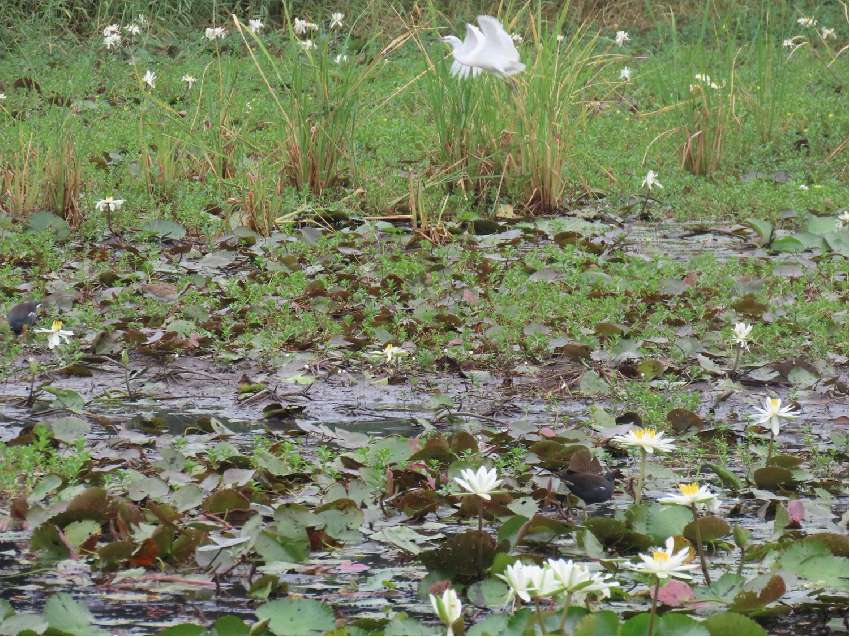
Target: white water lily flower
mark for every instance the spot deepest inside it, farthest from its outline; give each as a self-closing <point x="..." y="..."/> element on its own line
<point x="481" y="483"/>
<point x="651" y="180"/>
<point x="133" y="29"/>
<point x="393" y="353"/>
<point x="741" y="335"/>
<point x="827" y="34"/>
<point x="518" y="577"/>
<point x="336" y="20"/>
<point x="215" y="33"/>
<point x="447" y="607"/>
<point x="621" y="38"/>
<point x="109" y="204"/>
<point x="149" y="78"/>
<point x="626" y="74"/>
<point x="112" y="41"/>
<point x="649" y="440"/>
<point x="773" y="413"/>
<point x="807" y="21"/>
<point x="111" y="29"/>
<point x="577" y="580"/>
<point x="189" y="79"/>
<point x="255" y="26"/>
<point x="663" y="563"/>
<point x="56" y="335"/>
<point x="692" y="495"/>
<point x="302" y="26"/>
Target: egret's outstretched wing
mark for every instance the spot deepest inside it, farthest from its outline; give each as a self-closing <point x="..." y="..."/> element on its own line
<point x="464" y="55"/>
<point x="497" y="39"/>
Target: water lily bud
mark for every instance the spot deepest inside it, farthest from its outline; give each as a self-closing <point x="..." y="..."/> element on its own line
<point x="741" y="535"/>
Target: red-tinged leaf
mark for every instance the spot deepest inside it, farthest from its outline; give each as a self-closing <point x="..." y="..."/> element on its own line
<point x="347" y="566"/>
<point x="547" y="432"/>
<point x="146" y="554"/>
<point x="675" y="593"/>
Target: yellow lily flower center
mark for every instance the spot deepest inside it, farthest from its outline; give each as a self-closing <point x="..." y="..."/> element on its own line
<point x="57" y="325"/>
<point x="689" y="489"/>
<point x="660" y="556"/>
<point x="641" y="434"/>
<point x="774" y="404"/>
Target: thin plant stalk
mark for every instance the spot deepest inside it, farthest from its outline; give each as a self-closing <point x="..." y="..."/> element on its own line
<point x="737" y="358"/>
<point x="480" y="561"/>
<point x="770" y="447"/>
<point x="641" y="477"/>
<point x="700" y="547"/>
<point x="653" y="610"/>
<point x="539" y="616"/>
<point x="562" y="626"/>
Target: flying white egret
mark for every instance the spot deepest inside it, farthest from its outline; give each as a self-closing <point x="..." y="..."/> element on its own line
<point x="473" y="39"/>
<point x="488" y="48"/>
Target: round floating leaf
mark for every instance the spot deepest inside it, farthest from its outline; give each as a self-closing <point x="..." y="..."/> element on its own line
<point x="297" y="617"/>
<point x="836" y="543"/>
<point x="165" y="228"/>
<point x="732" y="624"/>
<point x="711" y="528"/>
<point x="650" y="369"/>
<point x="784" y="460"/>
<point x="667" y="520"/>
<point x="226" y="500"/>
<point x="401" y="624"/>
<point x="488" y="593"/>
<point x="788" y="244"/>
<point x="231" y="625"/>
<point x="682" y="420"/>
<point x="179" y="630"/>
<point x="607" y="530"/>
<point x="771" y="478"/>
<point x="64" y="613"/>
<point x="603" y="622"/>
<point x="47" y="221"/>
<point x="458" y="555"/>
<point x="69" y="429"/>
<point x="666" y="624"/>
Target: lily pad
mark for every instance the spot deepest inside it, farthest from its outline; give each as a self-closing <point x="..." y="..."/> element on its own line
<point x="297" y="617"/>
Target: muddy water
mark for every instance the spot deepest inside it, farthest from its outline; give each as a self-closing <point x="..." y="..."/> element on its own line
<point x="352" y="402"/>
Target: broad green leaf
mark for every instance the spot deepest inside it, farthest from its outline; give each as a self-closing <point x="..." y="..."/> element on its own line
<point x="64" y="613"/>
<point x="733" y="624"/>
<point x="297" y="616"/>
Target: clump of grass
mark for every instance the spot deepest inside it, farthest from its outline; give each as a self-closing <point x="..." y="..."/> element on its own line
<point x="322" y="95"/>
<point x="710" y="114"/>
<point x="551" y="109"/>
<point x="38" y="179"/>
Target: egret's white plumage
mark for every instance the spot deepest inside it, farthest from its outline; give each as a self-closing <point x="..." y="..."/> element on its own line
<point x="487" y="47"/>
<point x="470" y="42"/>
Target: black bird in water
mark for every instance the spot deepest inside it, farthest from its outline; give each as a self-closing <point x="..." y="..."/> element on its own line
<point x="593" y="488"/>
<point x="23" y="315"/>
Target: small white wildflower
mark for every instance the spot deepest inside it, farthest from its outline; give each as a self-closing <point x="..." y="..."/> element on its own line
<point x="133" y="29"/>
<point x="516" y="37"/>
<point x="843" y="218"/>
<point x="302" y="26"/>
<point x="189" y="79"/>
<point x="803" y="187"/>
<point x="340" y="58"/>
<point x="215" y="33"/>
<point x="560" y="37"/>
<point x="255" y="26"/>
<point x="2" y="96"/>
<point x="111" y="29"/>
<point x="706" y="79"/>
<point x="651" y="180"/>
<point x="142" y="19"/>
<point x="149" y="78"/>
<point x="621" y="38"/>
<point x="307" y="44"/>
<point x="741" y="335"/>
<point x="112" y="41"/>
<point x="807" y="21"/>
<point x="626" y="74"/>
<point x="827" y="34"/>
<point x="336" y="19"/>
<point x="109" y="204"/>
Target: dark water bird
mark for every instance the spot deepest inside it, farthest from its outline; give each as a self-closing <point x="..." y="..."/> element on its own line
<point x="593" y="488"/>
<point x="23" y="315"/>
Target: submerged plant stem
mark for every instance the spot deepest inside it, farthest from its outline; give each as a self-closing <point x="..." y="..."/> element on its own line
<point x="770" y="448"/>
<point x="700" y="547"/>
<point x="539" y="616"/>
